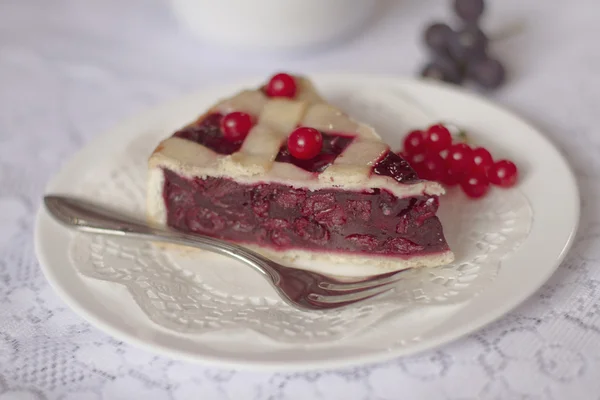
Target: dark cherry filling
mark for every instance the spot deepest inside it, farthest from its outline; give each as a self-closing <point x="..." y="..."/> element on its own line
<point x="208" y="133"/>
<point x="396" y="167"/>
<point x="282" y="217"/>
<point x="333" y="146"/>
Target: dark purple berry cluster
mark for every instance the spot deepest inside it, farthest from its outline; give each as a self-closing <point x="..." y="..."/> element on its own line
<point x="462" y="54"/>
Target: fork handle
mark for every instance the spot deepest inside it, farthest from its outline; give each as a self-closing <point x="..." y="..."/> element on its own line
<point x="90" y="218"/>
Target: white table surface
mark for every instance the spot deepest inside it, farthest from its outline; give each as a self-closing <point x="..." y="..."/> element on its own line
<point x="70" y="69"/>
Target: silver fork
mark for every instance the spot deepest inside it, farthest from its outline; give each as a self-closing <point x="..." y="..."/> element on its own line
<point x="301" y="289"/>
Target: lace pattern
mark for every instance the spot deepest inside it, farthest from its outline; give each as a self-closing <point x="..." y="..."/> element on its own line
<point x="71" y="71"/>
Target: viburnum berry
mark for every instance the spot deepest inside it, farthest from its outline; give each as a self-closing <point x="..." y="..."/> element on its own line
<point x="503" y="173"/>
<point x="437" y="138"/>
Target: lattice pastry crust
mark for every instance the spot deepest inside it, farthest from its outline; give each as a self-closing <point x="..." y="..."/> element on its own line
<point x="255" y="161"/>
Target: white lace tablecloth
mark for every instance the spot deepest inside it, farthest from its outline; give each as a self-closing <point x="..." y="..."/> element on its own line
<point x="70" y="69"/>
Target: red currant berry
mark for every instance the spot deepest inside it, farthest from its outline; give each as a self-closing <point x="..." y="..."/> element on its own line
<point x="414" y="142"/>
<point x="437" y="138"/>
<point x="305" y="143"/>
<point x="459" y="158"/>
<point x="416" y="162"/>
<point x="503" y="173"/>
<point x="434" y="168"/>
<point x="236" y="125"/>
<point x="281" y="85"/>
<point x="451" y="178"/>
<point x="482" y="160"/>
<point x="475" y="185"/>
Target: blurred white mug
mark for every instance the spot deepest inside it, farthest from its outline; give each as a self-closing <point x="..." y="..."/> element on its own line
<point x="273" y="24"/>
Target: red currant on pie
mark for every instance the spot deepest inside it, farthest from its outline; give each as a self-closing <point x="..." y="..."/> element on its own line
<point x="437" y="138"/>
<point x="236" y="125"/>
<point x="414" y="142"/>
<point x="281" y="85"/>
<point x="305" y="143"/>
<point x="503" y="173"/>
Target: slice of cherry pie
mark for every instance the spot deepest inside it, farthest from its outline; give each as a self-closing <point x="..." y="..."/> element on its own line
<point x="333" y="193"/>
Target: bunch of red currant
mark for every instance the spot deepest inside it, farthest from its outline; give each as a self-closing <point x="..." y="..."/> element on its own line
<point x="435" y="157"/>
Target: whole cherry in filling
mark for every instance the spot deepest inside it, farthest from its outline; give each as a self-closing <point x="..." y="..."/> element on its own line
<point x="281" y="85"/>
<point x="236" y="125"/>
<point x="305" y="143"/>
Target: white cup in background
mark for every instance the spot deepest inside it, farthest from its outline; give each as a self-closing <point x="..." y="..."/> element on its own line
<point x="273" y="24"/>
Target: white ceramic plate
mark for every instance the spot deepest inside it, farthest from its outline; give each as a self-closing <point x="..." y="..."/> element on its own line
<point x="206" y="308"/>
